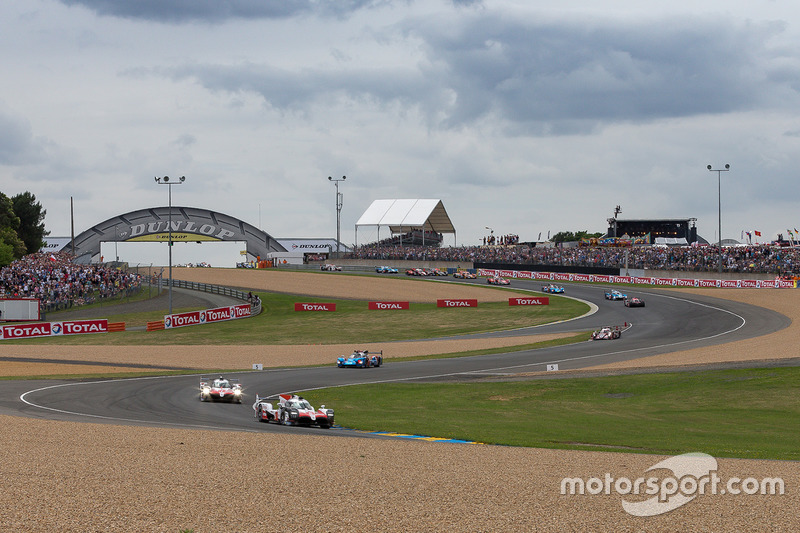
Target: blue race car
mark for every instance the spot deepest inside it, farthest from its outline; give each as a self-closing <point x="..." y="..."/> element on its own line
<point x="360" y="359"/>
<point x="615" y="295"/>
<point x="385" y="270"/>
<point x="553" y="289"/>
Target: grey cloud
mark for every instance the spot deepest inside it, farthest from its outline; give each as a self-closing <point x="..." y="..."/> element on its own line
<point x="218" y="11"/>
<point x="16" y="140"/>
<point x="547" y="78"/>
<point x="562" y="76"/>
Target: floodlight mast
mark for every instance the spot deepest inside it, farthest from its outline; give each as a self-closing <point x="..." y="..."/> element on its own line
<point x="166" y="181"/>
<point x="719" y="172"/>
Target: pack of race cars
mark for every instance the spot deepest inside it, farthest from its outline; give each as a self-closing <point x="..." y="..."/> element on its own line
<point x="293" y="410"/>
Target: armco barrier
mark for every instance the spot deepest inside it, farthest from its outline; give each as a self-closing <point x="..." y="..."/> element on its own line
<point x="209" y="288"/>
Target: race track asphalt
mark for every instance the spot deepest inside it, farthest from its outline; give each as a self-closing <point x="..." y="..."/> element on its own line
<point x="670" y="322"/>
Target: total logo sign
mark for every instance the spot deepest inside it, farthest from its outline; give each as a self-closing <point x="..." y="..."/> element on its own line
<point x="314" y="306"/>
<point x="538" y="300"/>
<point x="26" y="331"/>
<point x="388" y="305"/>
<point x="46" y="329"/>
<point x="466" y="302"/>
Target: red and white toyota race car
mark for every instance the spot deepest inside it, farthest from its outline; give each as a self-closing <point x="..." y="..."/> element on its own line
<point x="220" y="389"/>
<point x="292" y="410"/>
<point x="497" y="280"/>
<point x="606" y="333"/>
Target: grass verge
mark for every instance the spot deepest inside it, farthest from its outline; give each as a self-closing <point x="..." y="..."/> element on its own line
<point x="352" y="322"/>
<point x="746" y="413"/>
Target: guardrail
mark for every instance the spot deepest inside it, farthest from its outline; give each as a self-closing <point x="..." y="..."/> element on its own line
<point x="209" y="288"/>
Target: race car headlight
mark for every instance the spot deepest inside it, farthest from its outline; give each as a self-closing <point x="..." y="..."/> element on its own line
<point x="238" y="392"/>
<point x="206" y="390"/>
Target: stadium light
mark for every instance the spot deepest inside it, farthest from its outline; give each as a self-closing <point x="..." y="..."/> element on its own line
<point x="166" y="181"/>
<point x="719" y="172"/>
<point x="338" y="211"/>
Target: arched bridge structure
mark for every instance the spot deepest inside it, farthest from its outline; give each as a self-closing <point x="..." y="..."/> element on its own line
<point x="189" y="224"/>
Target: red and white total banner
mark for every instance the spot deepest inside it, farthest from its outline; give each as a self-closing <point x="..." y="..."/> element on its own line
<point x="461" y="302"/>
<point x="315" y="307"/>
<point x="195" y="318"/>
<point x="640" y="280"/>
<point x="47" y="329"/>
<point x="536" y="300"/>
<point x="380" y="306"/>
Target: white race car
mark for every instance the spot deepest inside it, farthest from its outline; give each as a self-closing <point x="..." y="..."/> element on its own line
<point x="229" y="390"/>
<point x="606" y="333"/>
<point x="330" y="268"/>
<point x="292" y="410"/>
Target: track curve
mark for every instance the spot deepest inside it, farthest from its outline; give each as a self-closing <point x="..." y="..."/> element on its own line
<point x="670" y="322"/>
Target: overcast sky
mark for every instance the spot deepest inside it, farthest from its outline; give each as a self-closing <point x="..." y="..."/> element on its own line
<point x="521" y="115"/>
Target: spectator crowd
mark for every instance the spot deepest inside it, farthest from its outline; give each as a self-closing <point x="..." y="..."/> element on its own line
<point x="59" y="283"/>
<point x="763" y="259"/>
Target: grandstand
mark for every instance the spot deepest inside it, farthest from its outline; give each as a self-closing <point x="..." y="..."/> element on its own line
<point x="420" y="222"/>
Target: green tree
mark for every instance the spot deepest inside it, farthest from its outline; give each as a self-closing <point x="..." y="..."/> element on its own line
<point x="9" y="225"/>
<point x="31" y="216"/>
<point x="6" y="254"/>
<point x="568" y="236"/>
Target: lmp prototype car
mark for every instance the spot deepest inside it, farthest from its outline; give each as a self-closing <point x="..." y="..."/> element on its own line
<point x="292" y="410"/>
<point x="606" y="334"/>
<point x="553" y="289"/>
<point x="634" y="302"/>
<point x="497" y="280"/>
<point x="330" y="268"/>
<point x="385" y="270"/>
<point x="464" y="274"/>
<point x="615" y="295"/>
<point x="437" y="272"/>
<point x="360" y="359"/>
<point x="229" y="390"/>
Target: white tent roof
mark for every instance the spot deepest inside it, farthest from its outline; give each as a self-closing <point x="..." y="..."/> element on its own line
<point x="403" y="215"/>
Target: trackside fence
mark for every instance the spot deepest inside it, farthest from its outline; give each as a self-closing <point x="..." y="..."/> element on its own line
<point x="209" y="288"/>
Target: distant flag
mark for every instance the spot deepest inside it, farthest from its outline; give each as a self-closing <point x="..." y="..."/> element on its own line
<point x="758" y="233"/>
<point x="742" y="237"/>
<point x="540" y="236"/>
<point x="52" y="257"/>
<point x="795" y="230"/>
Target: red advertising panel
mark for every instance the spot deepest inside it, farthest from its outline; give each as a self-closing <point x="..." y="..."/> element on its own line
<point x="508" y="273"/>
<point x="77" y="327"/>
<point x="582" y="277"/>
<point x="486" y="272"/>
<point x="708" y="283"/>
<point x="378" y="306"/>
<point x="664" y="281"/>
<point x="622" y="279"/>
<point x="178" y="320"/>
<point x="525" y="274"/>
<point x="642" y="281"/>
<point x="602" y="278"/>
<point x="537" y="300"/>
<point x="314" y="307"/>
<point x="681" y="282"/>
<point x="561" y="277"/>
<point x="463" y="302"/>
<point x="26" y="331"/>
